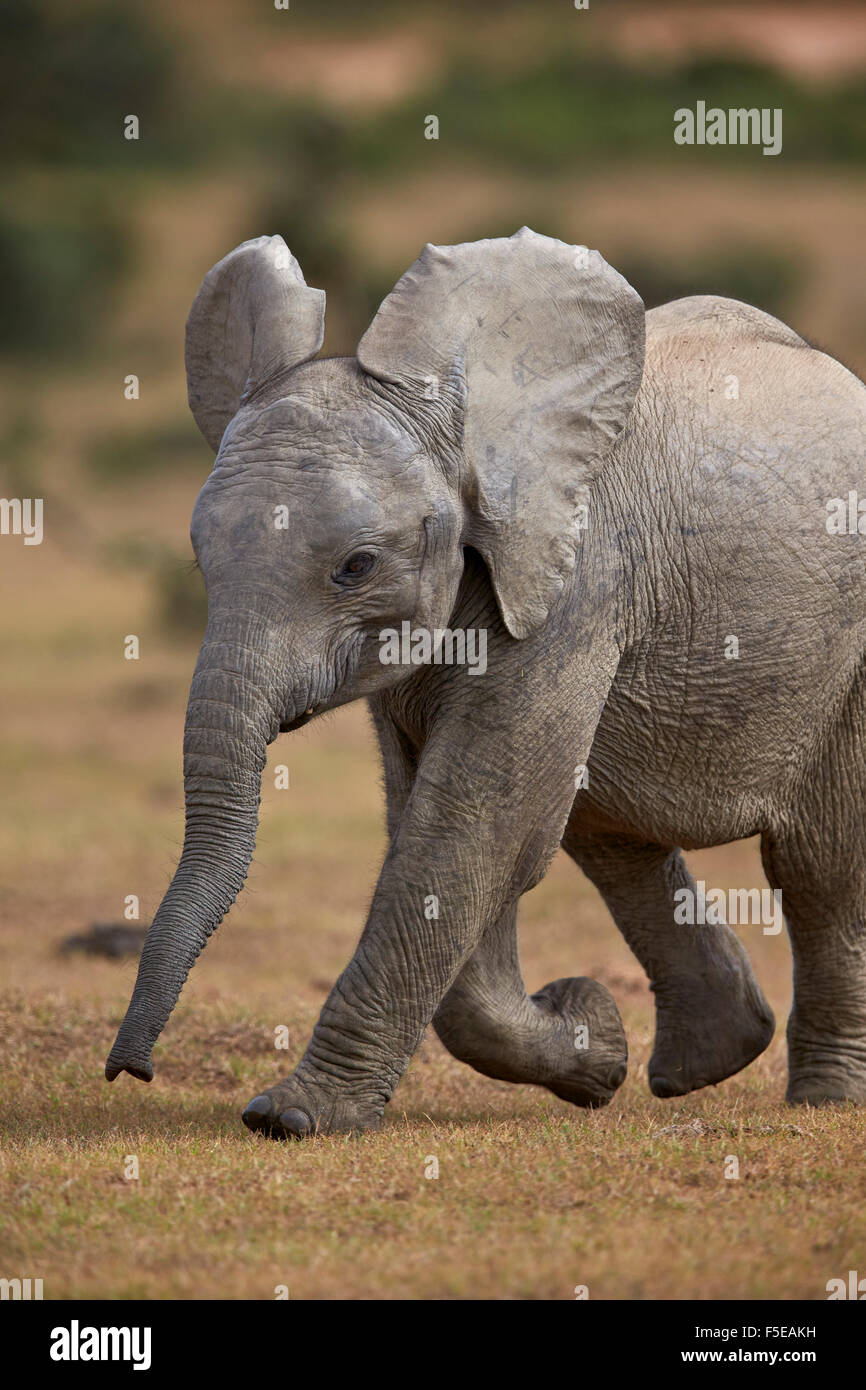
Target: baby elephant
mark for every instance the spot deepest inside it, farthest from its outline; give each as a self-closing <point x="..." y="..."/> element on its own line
<point x="633" y="517"/>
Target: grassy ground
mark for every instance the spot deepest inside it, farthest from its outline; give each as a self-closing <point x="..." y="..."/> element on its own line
<point x="532" y="1198"/>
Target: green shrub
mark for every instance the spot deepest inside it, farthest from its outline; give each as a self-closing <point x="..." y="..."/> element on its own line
<point x="58" y="276"/>
<point x="755" y="274"/>
<point x="126" y="455"/>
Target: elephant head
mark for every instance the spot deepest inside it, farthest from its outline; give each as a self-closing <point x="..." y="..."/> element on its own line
<point x="484" y="397"/>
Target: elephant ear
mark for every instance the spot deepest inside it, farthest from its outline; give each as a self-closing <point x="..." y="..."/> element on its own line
<point x="539" y="346"/>
<point x="253" y="320"/>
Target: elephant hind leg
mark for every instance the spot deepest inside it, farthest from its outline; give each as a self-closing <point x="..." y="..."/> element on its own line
<point x="567" y="1037"/>
<point x="711" y="1016"/>
<point x="820" y="867"/>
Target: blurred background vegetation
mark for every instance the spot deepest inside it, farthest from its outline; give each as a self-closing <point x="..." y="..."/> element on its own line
<point x="310" y="122"/>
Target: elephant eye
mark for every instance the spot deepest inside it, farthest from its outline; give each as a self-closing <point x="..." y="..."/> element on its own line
<point x="355" y="567"/>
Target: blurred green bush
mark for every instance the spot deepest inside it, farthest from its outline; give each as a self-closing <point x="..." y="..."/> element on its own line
<point x="69" y="75"/>
<point x="58" y="272"/>
<point x="758" y="275"/>
<point x="124" y="456"/>
<point x="575" y="111"/>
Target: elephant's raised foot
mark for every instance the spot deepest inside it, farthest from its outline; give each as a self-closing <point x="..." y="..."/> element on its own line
<point x="568" y="1037"/>
<point x="593" y="1053"/>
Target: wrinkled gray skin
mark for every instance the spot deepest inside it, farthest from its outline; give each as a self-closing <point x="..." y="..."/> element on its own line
<point x="501" y="387"/>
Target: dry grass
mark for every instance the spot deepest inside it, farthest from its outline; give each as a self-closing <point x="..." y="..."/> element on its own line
<point x="531" y="1198"/>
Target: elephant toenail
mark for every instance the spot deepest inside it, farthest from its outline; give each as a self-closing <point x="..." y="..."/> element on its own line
<point x="258" y="1109"/>
<point x="295" y="1122"/>
<point x="662" y="1087"/>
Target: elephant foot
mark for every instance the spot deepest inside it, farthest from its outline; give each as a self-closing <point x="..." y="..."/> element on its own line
<point x="595" y="1050"/>
<point x="704" y="1036"/>
<point x="295" y="1109"/>
<point x="825" y="1073"/>
<point x="567" y="1037"/>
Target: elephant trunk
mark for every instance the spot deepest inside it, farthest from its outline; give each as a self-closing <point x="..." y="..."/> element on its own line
<point x="231" y="718"/>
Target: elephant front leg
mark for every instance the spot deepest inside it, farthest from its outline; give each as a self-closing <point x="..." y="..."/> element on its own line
<point x="444" y="882"/>
<point x="568" y="1037"/>
<point x="433" y="900"/>
<point x="467" y="845"/>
